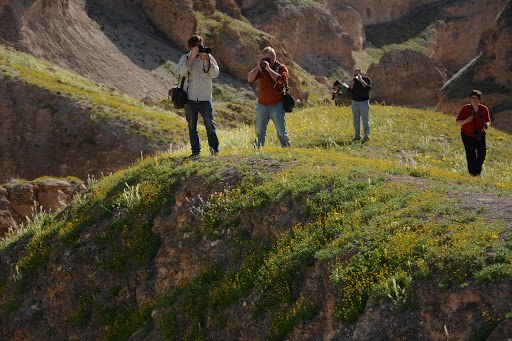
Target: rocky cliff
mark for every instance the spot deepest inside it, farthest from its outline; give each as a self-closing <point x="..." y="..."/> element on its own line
<point x="108" y="42"/>
<point x="43" y="133"/>
<point x="463" y="31"/>
<point x="102" y="39"/>
<point x="407" y="77"/>
<point x="490" y="73"/>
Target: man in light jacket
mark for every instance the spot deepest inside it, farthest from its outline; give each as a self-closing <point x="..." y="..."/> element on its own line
<point x="199" y="68"/>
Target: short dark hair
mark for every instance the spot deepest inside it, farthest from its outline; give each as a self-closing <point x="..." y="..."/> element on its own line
<point x="476" y="93"/>
<point x="337" y="82"/>
<point x="192" y="41"/>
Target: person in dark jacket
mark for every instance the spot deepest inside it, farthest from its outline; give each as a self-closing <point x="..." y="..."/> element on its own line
<point x="360" y="88"/>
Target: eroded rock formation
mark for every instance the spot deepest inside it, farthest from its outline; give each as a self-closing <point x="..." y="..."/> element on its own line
<point x="407" y="77"/>
<point x="489" y="73"/>
<point x="18" y="200"/>
<point x="46" y="134"/>
<point x="464" y="32"/>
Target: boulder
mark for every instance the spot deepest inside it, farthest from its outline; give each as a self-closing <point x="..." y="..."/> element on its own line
<point x="304" y="30"/>
<point x="175" y="19"/>
<point x="19" y="199"/>
<point x="351" y="22"/>
<point x="407" y="77"/>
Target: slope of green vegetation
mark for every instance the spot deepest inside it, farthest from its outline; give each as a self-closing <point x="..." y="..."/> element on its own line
<point x="102" y="103"/>
<point x="384" y="216"/>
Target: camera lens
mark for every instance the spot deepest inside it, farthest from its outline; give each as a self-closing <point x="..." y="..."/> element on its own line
<point x="203" y="49"/>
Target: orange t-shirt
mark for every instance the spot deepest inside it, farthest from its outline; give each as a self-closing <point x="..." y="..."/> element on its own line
<point x="268" y="95"/>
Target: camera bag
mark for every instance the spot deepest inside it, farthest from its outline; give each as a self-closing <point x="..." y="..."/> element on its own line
<point x="288" y="99"/>
<point x="179" y="97"/>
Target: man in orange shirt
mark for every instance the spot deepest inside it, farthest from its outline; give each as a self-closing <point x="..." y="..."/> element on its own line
<point x="474" y="119"/>
<point x="272" y="76"/>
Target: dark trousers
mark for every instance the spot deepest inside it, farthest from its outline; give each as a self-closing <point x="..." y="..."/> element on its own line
<point x="475" y="153"/>
<point x="192" y="111"/>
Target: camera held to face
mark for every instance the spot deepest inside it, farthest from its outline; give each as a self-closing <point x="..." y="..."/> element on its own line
<point x="204" y="49"/>
<point x="262" y="64"/>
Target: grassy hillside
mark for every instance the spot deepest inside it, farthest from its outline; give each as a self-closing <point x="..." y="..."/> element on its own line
<point x="368" y="221"/>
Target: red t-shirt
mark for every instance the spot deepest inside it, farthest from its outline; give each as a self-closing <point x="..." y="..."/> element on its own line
<point x="268" y="95"/>
<point x="477" y="123"/>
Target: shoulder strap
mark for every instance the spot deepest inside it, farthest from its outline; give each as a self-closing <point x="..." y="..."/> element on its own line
<point x="277" y="65"/>
<point x="474" y="114"/>
<point x="183" y="78"/>
<point x="479" y="111"/>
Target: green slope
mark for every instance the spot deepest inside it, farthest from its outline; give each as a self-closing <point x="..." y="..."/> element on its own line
<point x="384" y="217"/>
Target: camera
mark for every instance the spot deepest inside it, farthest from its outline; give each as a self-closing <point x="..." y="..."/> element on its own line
<point x="333" y="95"/>
<point x="478" y="134"/>
<point x="262" y="65"/>
<point x="204" y="49"/>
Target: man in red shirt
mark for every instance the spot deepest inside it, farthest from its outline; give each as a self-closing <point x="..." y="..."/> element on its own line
<point x="272" y="76"/>
<point x="474" y="119"/>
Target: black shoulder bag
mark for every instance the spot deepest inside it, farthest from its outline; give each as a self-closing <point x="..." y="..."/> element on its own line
<point x="179" y="97"/>
<point x="288" y="100"/>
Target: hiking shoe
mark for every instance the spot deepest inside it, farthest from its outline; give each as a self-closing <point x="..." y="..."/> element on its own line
<point x="366" y="139"/>
<point x="356" y="139"/>
<point x="194" y="155"/>
<point x="213" y="151"/>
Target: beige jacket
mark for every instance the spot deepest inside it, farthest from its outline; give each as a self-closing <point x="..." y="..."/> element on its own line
<point x="198" y="83"/>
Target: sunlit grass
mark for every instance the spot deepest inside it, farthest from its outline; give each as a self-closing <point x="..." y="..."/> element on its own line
<point x="102" y="102"/>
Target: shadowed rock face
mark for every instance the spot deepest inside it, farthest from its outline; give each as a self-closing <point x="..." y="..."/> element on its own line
<point x="489" y="73"/>
<point x="465" y="30"/>
<point x="407" y="77"/>
<point x="44" y="134"/>
<point x="69" y="34"/>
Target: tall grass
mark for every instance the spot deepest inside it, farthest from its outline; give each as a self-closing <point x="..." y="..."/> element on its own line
<point x="400" y="137"/>
<point x="34" y="223"/>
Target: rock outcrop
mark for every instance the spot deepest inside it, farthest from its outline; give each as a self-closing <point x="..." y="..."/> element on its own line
<point x="305" y="30"/>
<point x="176" y="19"/>
<point x="381" y="11"/>
<point x="46" y="134"/>
<point x="464" y="32"/>
<point x="18" y="200"/>
<point x="407" y="77"/>
<point x="351" y="22"/>
<point x="109" y="42"/>
<point x="489" y="73"/>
